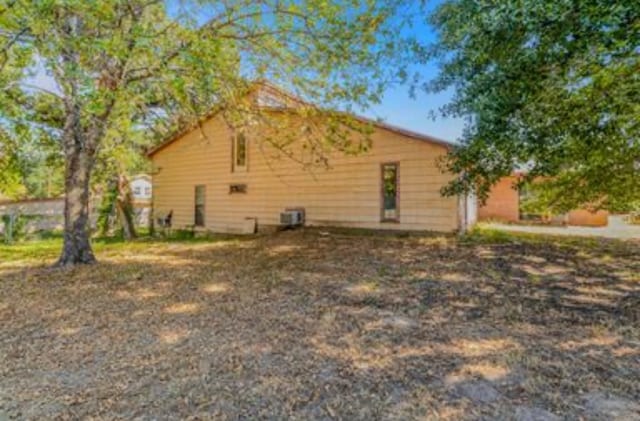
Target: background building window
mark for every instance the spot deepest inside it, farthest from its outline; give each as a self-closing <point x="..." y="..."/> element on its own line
<point x="390" y="208"/>
<point x="198" y="219"/>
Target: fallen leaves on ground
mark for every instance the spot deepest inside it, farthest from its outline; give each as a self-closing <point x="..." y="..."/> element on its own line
<point x="312" y="324"/>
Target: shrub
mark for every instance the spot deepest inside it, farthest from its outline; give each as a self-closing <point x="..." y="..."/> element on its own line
<point x="182" y="234"/>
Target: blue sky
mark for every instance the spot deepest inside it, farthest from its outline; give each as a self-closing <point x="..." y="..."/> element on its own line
<point x="398" y="108"/>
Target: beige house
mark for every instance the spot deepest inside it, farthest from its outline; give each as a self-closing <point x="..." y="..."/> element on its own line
<point x="217" y="179"/>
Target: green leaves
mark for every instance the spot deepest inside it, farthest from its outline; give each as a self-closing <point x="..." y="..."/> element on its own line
<point x="551" y="86"/>
<point x="123" y="75"/>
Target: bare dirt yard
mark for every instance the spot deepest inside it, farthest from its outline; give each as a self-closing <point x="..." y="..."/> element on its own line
<point x="316" y="324"/>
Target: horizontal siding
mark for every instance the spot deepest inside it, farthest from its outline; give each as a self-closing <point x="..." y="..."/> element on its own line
<point x="346" y="194"/>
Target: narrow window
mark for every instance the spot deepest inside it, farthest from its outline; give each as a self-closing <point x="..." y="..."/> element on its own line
<point x="136" y="191"/>
<point x="199" y="206"/>
<point x="147" y="191"/>
<point x="240" y="152"/>
<point x="390" y="208"/>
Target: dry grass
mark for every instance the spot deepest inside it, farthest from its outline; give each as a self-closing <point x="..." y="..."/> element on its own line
<point x="313" y="326"/>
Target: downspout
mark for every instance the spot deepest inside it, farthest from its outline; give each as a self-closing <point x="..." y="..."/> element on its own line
<point x="463" y="216"/>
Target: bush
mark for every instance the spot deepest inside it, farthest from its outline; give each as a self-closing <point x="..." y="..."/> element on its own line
<point x="481" y="235"/>
<point x="182" y="234"/>
<point x="633" y="210"/>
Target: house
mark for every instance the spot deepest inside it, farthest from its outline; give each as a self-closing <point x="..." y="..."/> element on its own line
<point x="215" y="178"/>
<point x="141" y="190"/>
<point x="505" y="204"/>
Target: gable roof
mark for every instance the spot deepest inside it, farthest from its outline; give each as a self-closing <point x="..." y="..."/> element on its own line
<point x="269" y="87"/>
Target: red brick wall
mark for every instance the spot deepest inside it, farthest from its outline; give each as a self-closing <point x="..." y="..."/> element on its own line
<point x="503" y="205"/>
<point x="503" y="202"/>
<point x="585" y="218"/>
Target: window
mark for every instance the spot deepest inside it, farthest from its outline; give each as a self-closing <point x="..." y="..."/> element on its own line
<point x="136" y="190"/>
<point x="267" y="99"/>
<point x="237" y="188"/>
<point x="390" y="209"/>
<point x="239" y="152"/>
<point x="198" y="219"/>
<point x="147" y="191"/>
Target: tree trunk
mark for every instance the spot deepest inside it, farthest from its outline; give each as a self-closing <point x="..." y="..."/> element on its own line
<point x="77" y="246"/>
<point x="124" y="206"/>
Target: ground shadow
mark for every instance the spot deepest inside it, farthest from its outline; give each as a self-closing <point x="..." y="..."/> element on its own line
<point x="315" y="324"/>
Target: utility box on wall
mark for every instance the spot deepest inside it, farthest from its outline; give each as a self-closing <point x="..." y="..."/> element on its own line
<point x="292" y="217"/>
<point x="250" y="226"/>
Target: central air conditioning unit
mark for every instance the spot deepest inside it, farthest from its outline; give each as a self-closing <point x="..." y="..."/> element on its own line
<point x="292" y="217"/>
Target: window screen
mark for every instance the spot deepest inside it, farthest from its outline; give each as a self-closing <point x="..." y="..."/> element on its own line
<point x="390" y="211"/>
<point x="240" y="152"/>
<point x="199" y="206"/>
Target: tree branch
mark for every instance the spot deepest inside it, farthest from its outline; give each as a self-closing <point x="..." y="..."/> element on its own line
<point x="8" y="45"/>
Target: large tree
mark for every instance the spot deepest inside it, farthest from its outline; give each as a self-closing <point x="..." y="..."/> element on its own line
<point x="551" y="87"/>
<point x="123" y="66"/>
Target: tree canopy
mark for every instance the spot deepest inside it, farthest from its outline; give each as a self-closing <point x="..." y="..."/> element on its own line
<point x="550" y="87"/>
<point x="31" y="165"/>
<point x="126" y="72"/>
